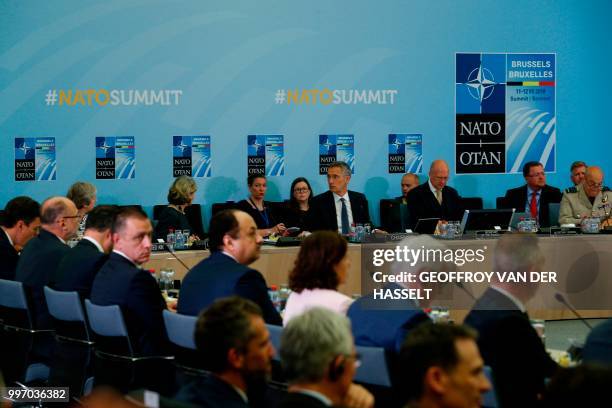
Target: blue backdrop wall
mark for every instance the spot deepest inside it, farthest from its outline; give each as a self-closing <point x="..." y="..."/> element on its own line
<point x="229" y="58"/>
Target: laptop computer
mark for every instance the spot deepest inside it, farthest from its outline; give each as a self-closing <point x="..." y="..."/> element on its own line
<point x="426" y="225"/>
<point x="486" y="220"/>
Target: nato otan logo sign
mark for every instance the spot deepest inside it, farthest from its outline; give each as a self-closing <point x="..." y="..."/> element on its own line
<point x="191" y="156"/>
<point x="266" y="155"/>
<point x="406" y="153"/>
<point x="35" y="159"/>
<point x="336" y="148"/>
<point x="115" y="157"/>
<point x="505" y="112"/>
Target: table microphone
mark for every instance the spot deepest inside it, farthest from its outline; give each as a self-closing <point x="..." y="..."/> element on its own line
<point x="561" y="299"/>
<point x="169" y="248"/>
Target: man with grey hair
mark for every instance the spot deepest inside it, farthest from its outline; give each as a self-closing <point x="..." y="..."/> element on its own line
<point x="319" y="361"/>
<point x="508" y="342"/>
<point x="577" y="172"/>
<point x="386" y="322"/>
<point x="434" y="199"/>
<point x="338" y="208"/>
<point x="43" y="253"/>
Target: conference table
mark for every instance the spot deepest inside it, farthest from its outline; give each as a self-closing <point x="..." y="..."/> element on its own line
<point x="581" y="262"/>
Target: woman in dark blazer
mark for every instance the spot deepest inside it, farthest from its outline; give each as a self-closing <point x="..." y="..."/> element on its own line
<point x="265" y="218"/>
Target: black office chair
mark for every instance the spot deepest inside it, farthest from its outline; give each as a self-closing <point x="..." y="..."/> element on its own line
<point x="72" y="361"/>
<point x="393" y="215"/>
<point x="194" y="216"/>
<point x="216" y="207"/>
<point x="500" y="203"/>
<point x="27" y="358"/>
<point x="471" y="203"/>
<point x="116" y="363"/>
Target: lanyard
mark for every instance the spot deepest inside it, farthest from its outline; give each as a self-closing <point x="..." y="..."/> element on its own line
<point x="263" y="214"/>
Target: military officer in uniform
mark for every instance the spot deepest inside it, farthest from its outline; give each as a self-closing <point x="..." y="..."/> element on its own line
<point x="588" y="199"/>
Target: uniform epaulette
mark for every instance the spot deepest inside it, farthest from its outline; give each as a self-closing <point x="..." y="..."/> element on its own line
<point x="571" y="190"/>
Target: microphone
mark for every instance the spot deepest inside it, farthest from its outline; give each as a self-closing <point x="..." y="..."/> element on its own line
<point x="561" y="299"/>
<point x="169" y="248"/>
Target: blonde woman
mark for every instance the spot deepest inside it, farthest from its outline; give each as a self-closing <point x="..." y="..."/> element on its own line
<point x="173" y="217"/>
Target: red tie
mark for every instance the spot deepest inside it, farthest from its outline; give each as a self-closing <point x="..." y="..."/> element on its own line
<point x="533" y="206"/>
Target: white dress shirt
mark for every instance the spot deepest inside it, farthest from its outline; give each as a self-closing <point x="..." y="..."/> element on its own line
<point x="298" y="303"/>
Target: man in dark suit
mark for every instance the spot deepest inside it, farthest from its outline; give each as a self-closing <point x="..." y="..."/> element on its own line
<point x="19" y="222"/>
<point x="507" y="341"/>
<point x="534" y="197"/>
<point x="234" y="345"/>
<point x="42" y="255"/>
<point x="319" y="360"/>
<point x="339" y="208"/>
<point x="434" y="199"/>
<point x="441" y="367"/>
<point x="234" y="244"/>
<point x="408" y="183"/>
<point x="122" y="282"/>
<point x="77" y="270"/>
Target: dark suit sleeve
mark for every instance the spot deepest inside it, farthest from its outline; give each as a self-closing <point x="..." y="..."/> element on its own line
<point x="252" y="286"/>
<point x="146" y="303"/>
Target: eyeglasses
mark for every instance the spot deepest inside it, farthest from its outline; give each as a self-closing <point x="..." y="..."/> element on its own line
<point x="71" y="216"/>
<point x="356" y="357"/>
<point x="536" y="174"/>
<point x="594" y="185"/>
<point x="301" y="190"/>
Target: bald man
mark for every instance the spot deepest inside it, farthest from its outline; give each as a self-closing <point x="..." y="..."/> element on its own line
<point x="59" y="221"/>
<point x="434" y="199"/>
<point x="588" y="199"/>
<point x="408" y="183"/>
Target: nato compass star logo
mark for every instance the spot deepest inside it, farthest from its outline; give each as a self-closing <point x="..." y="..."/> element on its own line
<point x="105" y="147"/>
<point x="182" y="146"/>
<point x="479" y="83"/>
<point x="25" y="149"/>
<point x="397" y="146"/>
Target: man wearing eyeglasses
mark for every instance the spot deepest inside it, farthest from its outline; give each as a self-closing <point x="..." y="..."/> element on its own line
<point x="588" y="199"/>
<point x="39" y="259"/>
<point x="534" y="197"/>
<point x="319" y="360"/>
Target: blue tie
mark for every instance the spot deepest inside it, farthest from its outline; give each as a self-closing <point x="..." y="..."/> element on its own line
<point x="344" y="218"/>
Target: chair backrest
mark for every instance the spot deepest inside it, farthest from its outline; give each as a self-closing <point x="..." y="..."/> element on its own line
<point x="553" y="213"/>
<point x="216" y="207"/>
<point x="193" y="213"/>
<point x="68" y="313"/>
<point x="489" y="399"/>
<point x="393" y="215"/>
<point x="275" y="336"/>
<point x="106" y="320"/>
<point x="64" y="306"/>
<point x="373" y="369"/>
<point x="12" y="295"/>
<point x="500" y="202"/>
<point x="471" y="203"/>
<point x="180" y="329"/>
<point x="158" y="209"/>
<point x="12" y="299"/>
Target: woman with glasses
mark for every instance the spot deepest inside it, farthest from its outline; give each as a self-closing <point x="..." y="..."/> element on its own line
<point x="256" y="207"/>
<point x="180" y="196"/>
<point x="321" y="266"/>
<point x="298" y="209"/>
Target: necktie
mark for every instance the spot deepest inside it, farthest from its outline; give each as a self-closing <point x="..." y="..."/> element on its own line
<point x="439" y="196"/>
<point x="533" y="205"/>
<point x="344" y="218"/>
